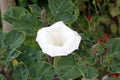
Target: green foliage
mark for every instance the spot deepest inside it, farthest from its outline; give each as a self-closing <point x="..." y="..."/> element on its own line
<point x="1" y="39"/>
<point x="68" y="69"/>
<point x="35" y="10"/>
<point x="2" y="77"/>
<point x="114" y="54"/>
<point x="21" y="72"/>
<point x="62" y="10"/>
<point x="22" y="20"/>
<point x="22" y="59"/>
<point x="29" y="55"/>
<point x="13" y="39"/>
<point x="41" y="71"/>
<point x="114" y="78"/>
<point x="11" y="54"/>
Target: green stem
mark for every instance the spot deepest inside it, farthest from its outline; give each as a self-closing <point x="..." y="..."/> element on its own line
<point x="56" y="59"/>
<point x="95" y="7"/>
<point x="89" y="26"/>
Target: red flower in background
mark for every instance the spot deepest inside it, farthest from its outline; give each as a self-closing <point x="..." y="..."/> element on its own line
<point x="89" y="18"/>
<point x="100" y="40"/>
<point x="115" y="75"/>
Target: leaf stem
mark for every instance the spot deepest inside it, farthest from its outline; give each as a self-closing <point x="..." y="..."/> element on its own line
<point x="56" y="59"/>
<point x="49" y="59"/>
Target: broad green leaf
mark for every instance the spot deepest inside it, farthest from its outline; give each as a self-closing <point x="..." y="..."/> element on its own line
<point x="2" y="77"/>
<point x="34" y="1"/>
<point x="106" y="60"/>
<point x="41" y="71"/>
<point x="31" y="41"/>
<point x="10" y="54"/>
<point x="62" y="10"/>
<point x="114" y="67"/>
<point x="67" y="60"/>
<point x="21" y="72"/>
<point x="72" y="72"/>
<point x="35" y="10"/>
<point x="90" y="60"/>
<point x="88" y="72"/>
<point x="66" y="17"/>
<point x="14" y="13"/>
<point x="14" y="39"/>
<point x="27" y="23"/>
<point x="22" y="20"/>
<point x="68" y="69"/>
<point x="57" y="6"/>
<point x="23" y="3"/>
<point x="111" y="59"/>
<point x="29" y="55"/>
<point x="114" y="45"/>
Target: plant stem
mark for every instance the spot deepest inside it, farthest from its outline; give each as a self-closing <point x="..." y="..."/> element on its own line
<point x="56" y="59"/>
<point x="49" y="59"/>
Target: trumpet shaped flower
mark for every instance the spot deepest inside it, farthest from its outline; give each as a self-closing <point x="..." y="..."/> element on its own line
<point x="58" y="39"/>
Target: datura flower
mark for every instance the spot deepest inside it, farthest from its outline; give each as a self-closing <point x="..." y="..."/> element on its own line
<point x="58" y="39"/>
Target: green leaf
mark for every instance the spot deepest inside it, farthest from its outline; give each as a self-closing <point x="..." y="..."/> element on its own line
<point x="1" y="40"/>
<point x="90" y="60"/>
<point x="88" y="72"/>
<point x="31" y="41"/>
<point x="29" y="55"/>
<point x="34" y="1"/>
<point x="35" y="10"/>
<point x="21" y="72"/>
<point x="114" y="11"/>
<point x="22" y="20"/>
<point x="2" y="77"/>
<point x="111" y="78"/>
<point x="27" y="23"/>
<point x="14" y="13"/>
<point x="111" y="59"/>
<point x="106" y="60"/>
<point x="71" y="73"/>
<point x="114" y="45"/>
<point x="66" y="17"/>
<point x="105" y="19"/>
<point x="113" y="28"/>
<point x="115" y="67"/>
<point x="10" y="54"/>
<point x="14" y="39"/>
<point x="68" y="69"/>
<point x="32" y="57"/>
<point x="62" y="10"/>
<point x="41" y="71"/>
<point x="23" y="3"/>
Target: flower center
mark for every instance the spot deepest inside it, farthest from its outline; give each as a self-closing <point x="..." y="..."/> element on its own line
<point x="55" y="38"/>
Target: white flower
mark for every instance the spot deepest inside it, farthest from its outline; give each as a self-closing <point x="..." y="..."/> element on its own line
<point x="58" y="39"/>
